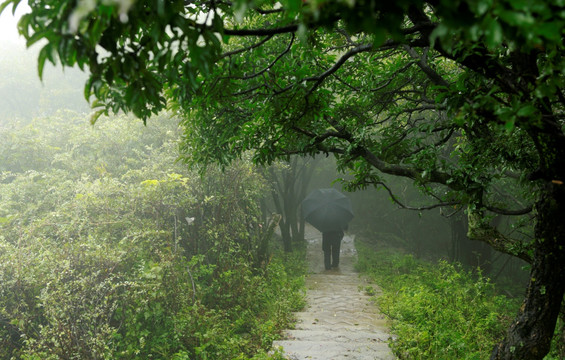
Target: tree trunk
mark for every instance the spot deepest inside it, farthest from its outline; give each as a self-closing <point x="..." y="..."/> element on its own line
<point x="306" y="177"/>
<point x="529" y="336"/>
<point x="262" y="257"/>
<point x="286" y="236"/>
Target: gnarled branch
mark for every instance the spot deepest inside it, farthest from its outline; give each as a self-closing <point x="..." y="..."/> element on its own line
<point x="429" y="207"/>
<point x="481" y="231"/>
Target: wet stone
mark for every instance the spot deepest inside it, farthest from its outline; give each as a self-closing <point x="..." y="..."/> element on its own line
<point x="340" y="321"/>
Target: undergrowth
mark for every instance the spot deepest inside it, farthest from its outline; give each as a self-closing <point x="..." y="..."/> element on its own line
<point x="111" y="250"/>
<point x="151" y="311"/>
<point x="437" y="310"/>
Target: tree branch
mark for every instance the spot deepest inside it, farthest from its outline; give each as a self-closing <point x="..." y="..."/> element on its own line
<point x="262" y="32"/>
<point x="500" y="211"/>
<point x="251" y="76"/>
<point x="320" y="78"/>
<point x="437" y="144"/>
<point x="422" y="62"/>
<point x="429" y="207"/>
<point x="401" y="170"/>
<point x="481" y="231"/>
<point x="251" y="47"/>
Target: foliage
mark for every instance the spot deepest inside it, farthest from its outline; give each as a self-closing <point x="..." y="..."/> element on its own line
<point x="437" y="311"/>
<point x="96" y="257"/>
<point x="463" y="97"/>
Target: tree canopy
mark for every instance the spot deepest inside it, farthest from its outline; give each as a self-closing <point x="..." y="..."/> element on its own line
<point x="463" y="97"/>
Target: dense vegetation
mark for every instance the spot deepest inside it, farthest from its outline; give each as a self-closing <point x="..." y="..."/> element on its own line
<point x="98" y="259"/>
<point x="438" y="310"/>
<point x="465" y="98"/>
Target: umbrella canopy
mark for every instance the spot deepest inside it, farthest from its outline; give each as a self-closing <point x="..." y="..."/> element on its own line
<point x="327" y="210"/>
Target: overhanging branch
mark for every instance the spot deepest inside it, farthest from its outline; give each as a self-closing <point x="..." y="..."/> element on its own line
<point x="429" y="207"/>
<point x="251" y="47"/>
<point x="481" y="231"/>
<point x="320" y="78"/>
<point x="263" y="31"/>
<point x="268" y="67"/>
<point x="500" y="211"/>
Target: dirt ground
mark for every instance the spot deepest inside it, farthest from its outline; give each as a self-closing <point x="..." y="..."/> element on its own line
<point x="340" y="321"/>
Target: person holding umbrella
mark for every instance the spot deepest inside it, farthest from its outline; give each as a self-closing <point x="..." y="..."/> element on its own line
<point x="330" y="212"/>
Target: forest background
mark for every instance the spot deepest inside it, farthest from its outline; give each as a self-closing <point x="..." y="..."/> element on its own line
<point x="98" y="260"/>
<point x="455" y="246"/>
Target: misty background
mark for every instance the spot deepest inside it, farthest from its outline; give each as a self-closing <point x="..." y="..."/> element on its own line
<point x="429" y="234"/>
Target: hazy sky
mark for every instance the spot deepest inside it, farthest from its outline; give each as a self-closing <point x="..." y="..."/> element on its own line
<point x="8" y="24"/>
<point x="68" y="82"/>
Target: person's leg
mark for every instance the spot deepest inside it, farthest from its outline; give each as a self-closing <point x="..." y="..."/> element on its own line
<point x="327" y="259"/>
<point x="326" y="247"/>
<point x="335" y="253"/>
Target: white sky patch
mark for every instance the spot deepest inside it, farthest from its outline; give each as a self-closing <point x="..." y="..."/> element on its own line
<point x="9" y="24"/>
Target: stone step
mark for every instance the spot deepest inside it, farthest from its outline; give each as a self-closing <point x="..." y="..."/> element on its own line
<point x="345" y="305"/>
<point x="333" y="350"/>
<point x="308" y="320"/>
<point x="344" y="335"/>
<point x="338" y="326"/>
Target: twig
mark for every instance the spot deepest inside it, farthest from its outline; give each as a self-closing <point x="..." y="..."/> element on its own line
<point x="193" y="286"/>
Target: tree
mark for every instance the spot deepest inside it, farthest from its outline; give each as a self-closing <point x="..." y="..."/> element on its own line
<point x="460" y="96"/>
<point x="290" y="182"/>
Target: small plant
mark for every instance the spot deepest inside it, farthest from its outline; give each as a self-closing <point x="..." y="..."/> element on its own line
<point x="369" y="290"/>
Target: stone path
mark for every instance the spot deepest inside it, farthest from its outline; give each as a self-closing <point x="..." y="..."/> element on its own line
<point x="340" y="322"/>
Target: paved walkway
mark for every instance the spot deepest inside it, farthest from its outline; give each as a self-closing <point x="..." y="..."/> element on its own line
<point x="340" y="322"/>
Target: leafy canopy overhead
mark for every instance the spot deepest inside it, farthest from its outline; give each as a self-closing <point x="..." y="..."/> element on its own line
<point x="137" y="50"/>
<point x="464" y="97"/>
<point x="411" y="88"/>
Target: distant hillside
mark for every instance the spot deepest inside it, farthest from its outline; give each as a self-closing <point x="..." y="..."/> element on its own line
<point x="23" y="96"/>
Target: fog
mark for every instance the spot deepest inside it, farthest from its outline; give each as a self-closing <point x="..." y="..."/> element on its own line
<point x="22" y="94"/>
<point x="438" y="233"/>
<point x="428" y="234"/>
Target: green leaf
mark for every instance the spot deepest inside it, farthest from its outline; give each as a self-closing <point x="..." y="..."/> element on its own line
<point x="510" y="125"/>
<point x="38" y="35"/>
<point x="493" y="33"/>
<point x="550" y="30"/>
<point x="526" y="111"/>
<point x="517" y="18"/>
<point x="379" y="36"/>
<point x="439" y="32"/>
<point x="482" y="7"/>
<point x="42" y="57"/>
<point x="94" y="117"/>
<point x="150" y="182"/>
<point x="293" y="6"/>
<point x="5" y="4"/>
<point x="240" y="8"/>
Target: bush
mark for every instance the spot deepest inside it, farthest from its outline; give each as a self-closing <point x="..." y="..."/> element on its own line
<point x="437" y="311"/>
<point x="97" y="260"/>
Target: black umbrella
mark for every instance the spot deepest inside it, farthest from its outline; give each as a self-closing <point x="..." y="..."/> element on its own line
<point x="327" y="210"/>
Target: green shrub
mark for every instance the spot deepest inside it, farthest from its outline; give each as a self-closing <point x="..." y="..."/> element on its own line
<point x="437" y="311"/>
